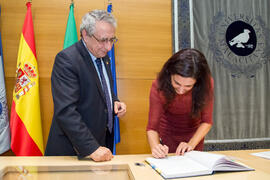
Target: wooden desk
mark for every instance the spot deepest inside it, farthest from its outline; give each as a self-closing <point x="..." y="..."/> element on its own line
<point x="261" y="166"/>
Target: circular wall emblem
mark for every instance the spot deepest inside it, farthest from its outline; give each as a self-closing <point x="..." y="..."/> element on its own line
<point x="241" y="38"/>
<point x="239" y="43"/>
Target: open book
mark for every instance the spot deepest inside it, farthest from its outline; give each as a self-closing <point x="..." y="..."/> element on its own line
<point x="194" y="163"/>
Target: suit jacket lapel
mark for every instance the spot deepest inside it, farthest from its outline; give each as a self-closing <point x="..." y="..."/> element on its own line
<point x="88" y="60"/>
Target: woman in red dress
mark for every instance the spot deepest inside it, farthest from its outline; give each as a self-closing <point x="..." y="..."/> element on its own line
<point x="181" y="105"/>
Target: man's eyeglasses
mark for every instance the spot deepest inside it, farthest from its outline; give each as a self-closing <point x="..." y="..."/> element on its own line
<point x="106" y="40"/>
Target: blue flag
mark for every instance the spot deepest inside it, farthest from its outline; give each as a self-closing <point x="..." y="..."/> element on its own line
<point x="116" y="120"/>
<point x="4" y="123"/>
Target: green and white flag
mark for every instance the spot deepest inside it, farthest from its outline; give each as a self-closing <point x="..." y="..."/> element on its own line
<point x="71" y="35"/>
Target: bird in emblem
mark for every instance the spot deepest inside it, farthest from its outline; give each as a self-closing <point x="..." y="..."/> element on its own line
<point x="240" y="39"/>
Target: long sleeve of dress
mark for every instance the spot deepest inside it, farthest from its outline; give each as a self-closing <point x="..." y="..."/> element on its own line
<point x="155" y="108"/>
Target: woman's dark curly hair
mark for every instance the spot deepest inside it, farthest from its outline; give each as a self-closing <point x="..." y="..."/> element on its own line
<point x="187" y="63"/>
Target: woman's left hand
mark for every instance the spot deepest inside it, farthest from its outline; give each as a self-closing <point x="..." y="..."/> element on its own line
<point x="182" y="148"/>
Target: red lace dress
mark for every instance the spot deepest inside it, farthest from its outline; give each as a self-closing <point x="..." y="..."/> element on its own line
<point x="175" y="124"/>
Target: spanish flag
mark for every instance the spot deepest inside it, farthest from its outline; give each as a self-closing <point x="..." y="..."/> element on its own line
<point x="25" y="121"/>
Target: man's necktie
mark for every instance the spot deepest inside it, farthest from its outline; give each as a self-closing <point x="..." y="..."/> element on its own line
<point x="107" y="95"/>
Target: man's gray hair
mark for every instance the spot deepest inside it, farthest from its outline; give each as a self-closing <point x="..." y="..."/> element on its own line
<point x="89" y="20"/>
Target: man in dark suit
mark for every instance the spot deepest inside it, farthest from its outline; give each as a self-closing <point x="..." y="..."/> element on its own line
<point x="82" y="89"/>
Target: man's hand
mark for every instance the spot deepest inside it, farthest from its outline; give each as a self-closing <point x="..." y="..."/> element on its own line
<point x="160" y="151"/>
<point x="101" y="154"/>
<point x="119" y="108"/>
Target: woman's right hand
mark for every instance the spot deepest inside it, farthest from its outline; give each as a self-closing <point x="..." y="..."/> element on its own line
<point x="160" y="151"/>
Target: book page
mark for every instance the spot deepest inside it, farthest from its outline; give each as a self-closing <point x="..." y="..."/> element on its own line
<point x="178" y="166"/>
<point x="217" y="162"/>
<point x="228" y="164"/>
<point x="207" y="159"/>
